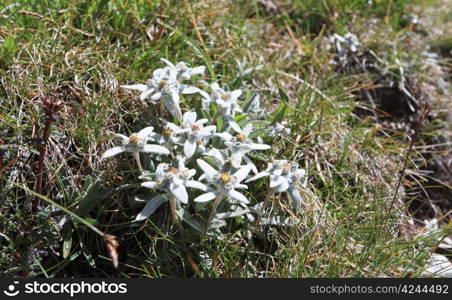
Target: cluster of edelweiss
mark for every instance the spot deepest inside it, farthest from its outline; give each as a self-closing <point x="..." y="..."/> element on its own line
<point x="224" y="146"/>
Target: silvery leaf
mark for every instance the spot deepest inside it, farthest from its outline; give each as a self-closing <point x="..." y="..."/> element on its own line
<point x="189" y="220"/>
<point x="232" y="214"/>
<point x="150" y="207"/>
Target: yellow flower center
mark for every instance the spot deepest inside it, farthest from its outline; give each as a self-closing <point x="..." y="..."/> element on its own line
<point x="133" y="139"/>
<point x="163" y="83"/>
<point x="240" y="137"/>
<point x="286" y="166"/>
<point x="173" y="171"/>
<point x="167" y="132"/>
<point x="225" y="96"/>
<point x="195" y="127"/>
<point x="225" y="177"/>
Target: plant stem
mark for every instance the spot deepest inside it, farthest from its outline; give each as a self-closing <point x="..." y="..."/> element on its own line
<point x="137" y="158"/>
<point x="216" y="203"/>
<point x="173" y="209"/>
<point x="40" y="167"/>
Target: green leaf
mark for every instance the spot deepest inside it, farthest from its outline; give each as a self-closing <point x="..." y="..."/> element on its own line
<point x="9" y="45"/>
<point x="87" y="253"/>
<point x="67" y="244"/>
<point x="190" y="220"/>
<point x="64" y="209"/>
<point x="94" y="194"/>
<point x="283" y="95"/>
<point x="91" y="221"/>
<point x="280" y="113"/>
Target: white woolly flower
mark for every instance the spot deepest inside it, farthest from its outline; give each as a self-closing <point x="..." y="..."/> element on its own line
<point x="279" y="130"/>
<point x="224" y="183"/>
<point x="226" y="101"/>
<point x="195" y="132"/>
<point x="222" y="157"/>
<point x="165" y="85"/>
<point x="136" y="143"/>
<point x="284" y="176"/>
<point x="170" y="135"/>
<point x="174" y="181"/>
<point x="183" y="72"/>
<point x="349" y="40"/>
<point x="241" y="143"/>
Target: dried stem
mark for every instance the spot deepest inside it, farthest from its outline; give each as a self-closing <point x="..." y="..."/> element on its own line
<point x="173" y="209"/>
<point x="51" y="107"/>
<point x="417" y="129"/>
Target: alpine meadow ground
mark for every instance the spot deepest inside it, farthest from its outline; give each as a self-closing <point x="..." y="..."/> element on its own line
<point x="273" y="138"/>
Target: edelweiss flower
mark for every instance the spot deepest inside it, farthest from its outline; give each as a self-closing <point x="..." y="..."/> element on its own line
<point x="183" y="72"/>
<point x="225" y="184"/>
<point x="165" y="85"/>
<point x="195" y="132"/>
<point x="222" y="158"/>
<point x="283" y="177"/>
<point x="349" y="40"/>
<point x="136" y="143"/>
<point x="225" y="101"/>
<point x="174" y="182"/>
<point x="279" y="130"/>
<point x="170" y="135"/>
<point x="240" y="144"/>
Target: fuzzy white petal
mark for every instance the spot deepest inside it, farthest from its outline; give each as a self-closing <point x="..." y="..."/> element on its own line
<point x="190" y="90"/>
<point x="276" y="180"/>
<point x="235" y="127"/>
<point x="205" y="197"/>
<point x="283" y="186"/>
<point x="255" y="146"/>
<point x="296" y="197"/>
<point x="150" y="207"/>
<point x="198" y="70"/>
<point x="238" y="196"/>
<point x="167" y="62"/>
<point x="179" y="192"/>
<point x="247" y="129"/>
<point x="258" y="176"/>
<point x="208" y="169"/>
<point x="113" y="151"/>
<point x="236" y="159"/>
<point x="196" y="185"/>
<point x="235" y="94"/>
<point x="145" y="94"/>
<point x="189" y="118"/>
<point x="189" y="148"/>
<point x="156" y="96"/>
<point x="215" y="87"/>
<point x="155" y="149"/>
<point x="224" y="136"/>
<point x="136" y="87"/>
<point x="172" y="105"/>
<point x="160" y="171"/>
<point x="150" y="185"/>
<point x="145" y="132"/>
<point x="123" y="137"/>
<point x="241" y="174"/>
